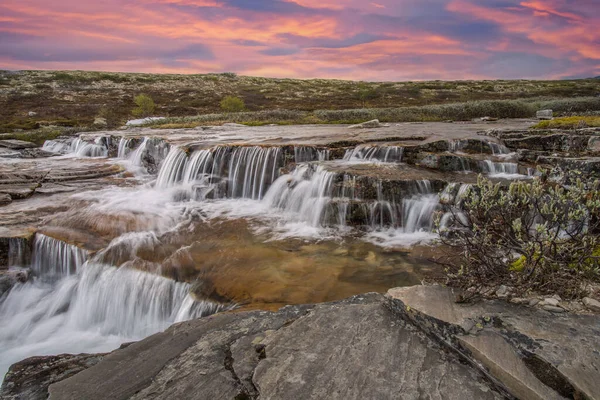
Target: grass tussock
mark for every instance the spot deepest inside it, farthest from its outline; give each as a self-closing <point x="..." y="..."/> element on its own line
<point x="575" y="122"/>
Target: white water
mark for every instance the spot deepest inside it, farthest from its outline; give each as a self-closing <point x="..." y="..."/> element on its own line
<point x="53" y="257"/>
<point x="81" y="148"/>
<point x="93" y="310"/>
<point x="248" y="171"/>
<point x="375" y="154"/>
<point x="56" y="146"/>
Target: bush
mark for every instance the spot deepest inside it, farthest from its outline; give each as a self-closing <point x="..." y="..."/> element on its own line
<point x="536" y="236"/>
<point x="145" y="106"/>
<point x="232" y="104"/>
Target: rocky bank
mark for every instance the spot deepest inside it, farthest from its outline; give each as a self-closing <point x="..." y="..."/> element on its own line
<point x="412" y="343"/>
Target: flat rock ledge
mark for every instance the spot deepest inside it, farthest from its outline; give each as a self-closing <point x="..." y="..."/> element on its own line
<point x="413" y="343"/>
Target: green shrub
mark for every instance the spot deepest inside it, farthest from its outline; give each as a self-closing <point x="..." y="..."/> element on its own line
<point x="538" y="235"/>
<point x="145" y="106"/>
<point x="232" y="104"/>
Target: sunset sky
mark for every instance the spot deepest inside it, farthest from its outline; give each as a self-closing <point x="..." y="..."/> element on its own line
<point x="347" y="39"/>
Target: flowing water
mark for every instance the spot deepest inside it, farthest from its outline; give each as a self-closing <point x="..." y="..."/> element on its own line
<point x="215" y="226"/>
<point x="73" y="305"/>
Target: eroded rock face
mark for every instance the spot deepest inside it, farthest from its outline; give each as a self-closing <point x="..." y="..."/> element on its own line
<point x="354" y="349"/>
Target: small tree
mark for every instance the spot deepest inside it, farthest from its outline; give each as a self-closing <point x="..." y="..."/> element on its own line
<point x="539" y="235"/>
<point x="232" y="104"/>
<point x="145" y="106"/>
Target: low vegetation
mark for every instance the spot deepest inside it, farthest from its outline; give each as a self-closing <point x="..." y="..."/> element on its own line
<point x="539" y="236"/>
<point x="232" y="104"/>
<point x="76" y="98"/>
<point x="145" y="106"/>
<point x="575" y="122"/>
<point x="429" y="113"/>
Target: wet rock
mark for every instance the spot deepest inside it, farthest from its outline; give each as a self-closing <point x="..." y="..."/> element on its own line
<point x="592" y="304"/>
<point x="354" y="349"/>
<point x="10" y="278"/>
<point x="544" y="114"/>
<point x="30" y="378"/>
<point x="369" y="124"/>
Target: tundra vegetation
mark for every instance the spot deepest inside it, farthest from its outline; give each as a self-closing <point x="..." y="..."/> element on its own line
<point x="537" y="236"/>
<point x="145" y="106"/>
<point x="64" y="99"/>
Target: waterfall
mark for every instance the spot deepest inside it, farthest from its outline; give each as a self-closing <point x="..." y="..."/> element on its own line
<point x="93" y="311"/>
<point x="81" y="148"/>
<point x="418" y="212"/>
<point x="252" y="170"/>
<point x="500" y="168"/>
<point x="56" y="146"/>
<point x="304" y="154"/>
<point x="18" y="252"/>
<point x="249" y="171"/>
<point x="375" y="153"/>
<point x="52" y="257"/>
<point x="123" y="148"/>
<point x="498" y="149"/>
<point x="320" y="198"/>
<point x="172" y="169"/>
<point x="137" y="154"/>
<point x="303" y="195"/>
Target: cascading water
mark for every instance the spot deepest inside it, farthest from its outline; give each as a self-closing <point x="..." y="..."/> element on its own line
<point x="124" y="148"/>
<point x="137" y="154"/>
<point x="18" y="252"/>
<point x="302" y="195"/>
<point x="304" y="154"/>
<point x="375" y="153"/>
<point x="52" y="257"/>
<point x="499" y="169"/>
<point x="93" y="310"/>
<point x="81" y="148"/>
<point x="252" y="170"/>
<point x="248" y="171"/>
<point x="56" y="146"/>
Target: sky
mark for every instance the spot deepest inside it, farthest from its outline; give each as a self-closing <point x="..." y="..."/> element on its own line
<point x="380" y="40"/>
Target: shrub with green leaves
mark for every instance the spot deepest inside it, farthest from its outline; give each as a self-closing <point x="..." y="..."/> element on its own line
<point x="538" y="235"/>
<point x="232" y="104"/>
<point x="145" y="106"/>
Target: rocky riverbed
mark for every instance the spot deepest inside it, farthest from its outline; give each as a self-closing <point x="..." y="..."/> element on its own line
<point x="110" y="237"/>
